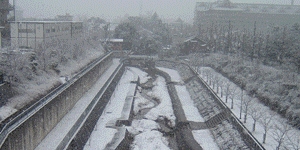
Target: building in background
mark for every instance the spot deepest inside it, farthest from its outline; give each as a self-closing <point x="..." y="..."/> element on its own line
<point x="242" y="15"/>
<point x="66" y="17"/>
<point x="5" y="8"/>
<point x="34" y="34"/>
<point x="193" y="45"/>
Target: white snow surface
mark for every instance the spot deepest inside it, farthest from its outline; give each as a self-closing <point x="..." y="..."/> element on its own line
<point x="205" y="139"/>
<point x="141" y="103"/>
<point x="30" y="90"/>
<point x="102" y="135"/>
<point x="277" y="120"/>
<point x="175" y="77"/>
<point x="143" y="75"/>
<point x="190" y="110"/>
<point x="150" y="140"/>
<point x="52" y="140"/>
<point x="165" y="107"/>
<point x="138" y="126"/>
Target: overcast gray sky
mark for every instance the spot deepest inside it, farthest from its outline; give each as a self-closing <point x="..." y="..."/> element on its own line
<point x="114" y="8"/>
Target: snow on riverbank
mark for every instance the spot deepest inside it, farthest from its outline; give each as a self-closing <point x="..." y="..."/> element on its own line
<point x="147" y="136"/>
<point x="102" y="135"/>
<point x="146" y="131"/>
<point x="143" y="75"/>
<point x="190" y="110"/>
<point x="141" y="103"/>
<point x="165" y="107"/>
<point x="205" y="139"/>
<point x="278" y="129"/>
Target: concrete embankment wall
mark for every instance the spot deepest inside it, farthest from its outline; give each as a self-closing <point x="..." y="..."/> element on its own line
<point x="184" y="136"/>
<point x="246" y="135"/>
<point x="32" y="131"/>
<point x="87" y="128"/>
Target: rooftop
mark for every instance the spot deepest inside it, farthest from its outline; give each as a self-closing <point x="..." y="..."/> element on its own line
<point x="249" y="8"/>
<point x="45" y="21"/>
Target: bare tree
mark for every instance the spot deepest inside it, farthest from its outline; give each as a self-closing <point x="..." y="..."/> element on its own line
<point x="294" y="141"/>
<point x="217" y="81"/>
<point x="255" y="113"/>
<point x="241" y="104"/>
<point x="265" y="120"/>
<point x="280" y="132"/>
<point x="227" y="90"/>
<point x="232" y="95"/>
<point x="246" y="103"/>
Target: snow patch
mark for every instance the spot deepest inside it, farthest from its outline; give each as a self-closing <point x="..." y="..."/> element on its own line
<point x="150" y="140"/>
<point x="205" y="139"/>
<point x="165" y="107"/>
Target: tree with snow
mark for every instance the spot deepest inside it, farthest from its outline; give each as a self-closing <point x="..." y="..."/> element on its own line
<point x="232" y="95"/>
<point x="280" y="131"/>
<point x="294" y="141"/>
<point x="227" y="90"/>
<point x="256" y="113"/>
<point x="265" y="121"/>
<point x="247" y="102"/>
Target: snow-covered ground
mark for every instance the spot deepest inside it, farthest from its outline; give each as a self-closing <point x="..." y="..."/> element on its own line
<point x="160" y="91"/>
<point x="147" y="137"/>
<point x="204" y="138"/>
<point x="278" y="129"/>
<point x="145" y="130"/>
<point x="190" y="110"/>
<point x="52" y="140"/>
<point x="30" y="90"/>
<point x="102" y="135"/>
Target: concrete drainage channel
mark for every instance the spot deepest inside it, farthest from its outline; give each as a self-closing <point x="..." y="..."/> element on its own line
<point x="180" y="137"/>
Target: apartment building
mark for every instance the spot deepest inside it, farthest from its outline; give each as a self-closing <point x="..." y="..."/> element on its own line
<point x="33" y="34"/>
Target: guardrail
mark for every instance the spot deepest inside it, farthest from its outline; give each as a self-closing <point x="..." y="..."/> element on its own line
<point x="30" y="111"/>
<point x="251" y="140"/>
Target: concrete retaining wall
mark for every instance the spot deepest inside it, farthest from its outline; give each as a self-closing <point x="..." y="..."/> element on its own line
<point x="87" y="128"/>
<point x="184" y="136"/>
<point x="31" y="132"/>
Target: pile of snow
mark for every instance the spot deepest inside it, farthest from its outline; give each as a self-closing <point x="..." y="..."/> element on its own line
<point x="160" y="91"/>
<point x="205" y="139"/>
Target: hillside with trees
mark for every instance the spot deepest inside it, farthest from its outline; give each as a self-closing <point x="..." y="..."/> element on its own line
<point x="265" y="64"/>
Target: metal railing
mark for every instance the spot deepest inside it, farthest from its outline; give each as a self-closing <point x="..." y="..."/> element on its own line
<point x="30" y="111"/>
